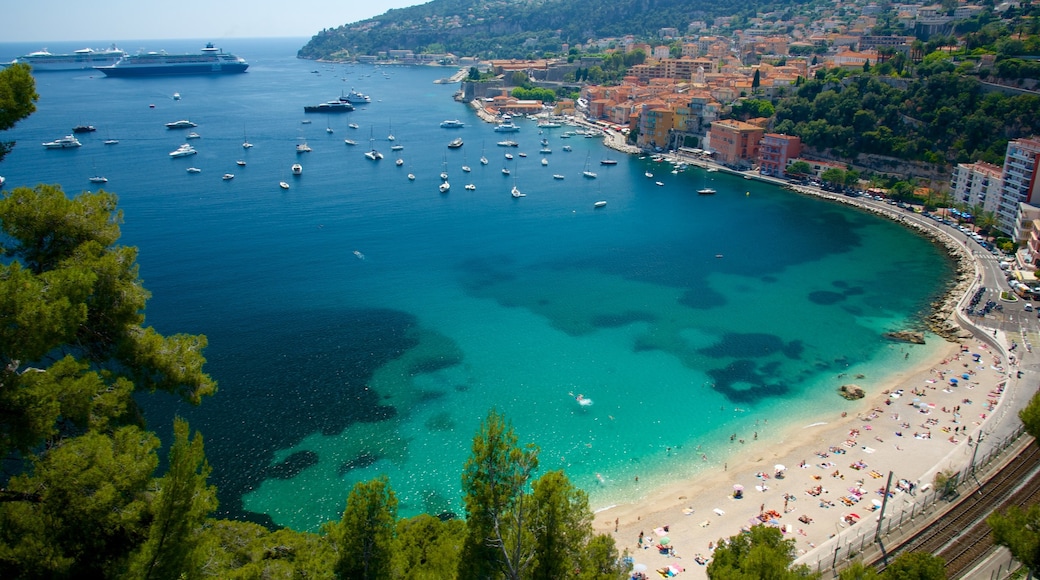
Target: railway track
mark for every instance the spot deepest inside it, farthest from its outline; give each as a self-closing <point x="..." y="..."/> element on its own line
<point x="961" y="536"/>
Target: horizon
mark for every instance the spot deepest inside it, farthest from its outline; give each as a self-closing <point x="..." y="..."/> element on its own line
<point x="43" y="23"/>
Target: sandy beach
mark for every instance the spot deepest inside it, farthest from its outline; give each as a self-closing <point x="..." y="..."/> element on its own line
<point x="835" y="470"/>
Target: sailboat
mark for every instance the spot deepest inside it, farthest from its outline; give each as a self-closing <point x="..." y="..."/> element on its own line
<point x="390" y="135"/>
<point x="483" y="159"/>
<point x="588" y="172"/>
<point x="373" y="153"/>
<point x="444" y="186"/>
<point x="245" y="141"/>
<point x="515" y="192"/>
<point x="465" y="167"/>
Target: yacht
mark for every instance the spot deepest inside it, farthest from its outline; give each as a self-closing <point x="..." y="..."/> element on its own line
<point x="356" y="97"/>
<point x="193" y="135"/>
<point x="452" y="124"/>
<point x="64" y="143"/>
<point x="98" y="179"/>
<point x="455" y="143"/>
<point x="228" y="176"/>
<point x="182" y="124"/>
<point x="183" y="151"/>
<point x="373" y="154"/>
<point x="396" y="147"/>
<point x="297" y="169"/>
<point x="566" y="147"/>
<point x="350" y="142"/>
<point x="706" y="191"/>
<point x="507" y="127"/>
<point x="608" y="162"/>
<point x="557" y="176"/>
<point x="544" y="161"/>
<point x="240" y="163"/>
<point x="353" y="125"/>
<point x="303" y="148"/>
<point x="111" y="141"/>
<point x="599" y="204"/>
<point x="515" y="192"/>
<point x="194" y="170"/>
<point x="283" y="185"/>
<point x="507" y="144"/>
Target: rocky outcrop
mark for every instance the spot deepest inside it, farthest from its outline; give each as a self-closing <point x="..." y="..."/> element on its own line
<point x="852" y="392"/>
<point x="911" y="336"/>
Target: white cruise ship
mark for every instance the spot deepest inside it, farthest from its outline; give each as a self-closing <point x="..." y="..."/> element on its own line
<point x="84" y="58"/>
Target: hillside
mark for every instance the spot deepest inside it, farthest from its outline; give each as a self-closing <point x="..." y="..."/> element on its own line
<point x="516" y="28"/>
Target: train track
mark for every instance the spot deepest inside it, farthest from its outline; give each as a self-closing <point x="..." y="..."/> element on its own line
<point x="961" y="536"/>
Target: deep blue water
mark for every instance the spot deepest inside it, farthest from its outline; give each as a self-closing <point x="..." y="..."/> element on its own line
<point x="685" y="318"/>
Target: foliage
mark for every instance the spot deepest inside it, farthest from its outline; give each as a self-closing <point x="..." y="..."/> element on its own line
<point x="859" y="571"/>
<point x="1030" y="416"/>
<point x="762" y="553"/>
<point x="745" y="109"/>
<point x="916" y="566"/>
<point x="799" y="169"/>
<point x="427" y="547"/>
<point x="562" y="523"/>
<point x="17" y="99"/>
<point x="1018" y="530"/>
<point x="535" y="94"/>
<point x="364" y="538"/>
<point x="494" y="481"/>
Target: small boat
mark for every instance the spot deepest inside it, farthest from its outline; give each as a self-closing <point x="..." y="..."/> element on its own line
<point x="176" y="96"/>
<point x="328" y="130"/>
<point x="712" y="170"/>
<point x="305" y="122"/>
<point x="193" y="135"/>
<point x="399" y="162"/>
<point x="247" y="145"/>
<point x="599" y="204"/>
<point x="706" y="191"/>
<point x="545" y="161"/>
<point x="182" y="124"/>
<point x="283" y="185"/>
<point x="545" y="151"/>
<point x="515" y="192"/>
<point x="470" y="186"/>
<point x="111" y="141"/>
<point x="509" y="155"/>
<point x="444" y="187"/>
<point x="183" y="151"/>
<point x="194" y="170"/>
<point x="297" y="169"/>
<point x="455" y="143"/>
<point x="240" y="163"/>
<point x="589" y="174"/>
<point x="522" y="154"/>
<point x="659" y="183"/>
<point x="397" y="147"/>
<point x="353" y="125"/>
<point x="350" y="142"/>
<point x="303" y="148"/>
<point x="649" y="175"/>
<point x="508" y="144"/>
<point x="98" y="179"/>
<point x="411" y="177"/>
<point x="557" y="176"/>
<point x="228" y="176"/>
<point x="567" y="148"/>
<point x="505" y="171"/>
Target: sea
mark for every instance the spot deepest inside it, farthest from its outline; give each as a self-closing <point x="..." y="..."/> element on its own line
<point x="362" y="324"/>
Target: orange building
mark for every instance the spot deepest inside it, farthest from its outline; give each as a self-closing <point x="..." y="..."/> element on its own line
<point x="775" y="150"/>
<point x="735" y="143"/>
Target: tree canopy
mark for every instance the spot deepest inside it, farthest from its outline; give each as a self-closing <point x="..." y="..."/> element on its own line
<point x="17" y="99"/>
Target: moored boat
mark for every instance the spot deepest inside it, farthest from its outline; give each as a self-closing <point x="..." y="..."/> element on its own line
<point x="183" y="151"/>
<point x="65" y="142"/>
<point x="706" y="191"/>
<point x="297" y="169"/>
<point x="452" y="124"/>
<point x="182" y="124"/>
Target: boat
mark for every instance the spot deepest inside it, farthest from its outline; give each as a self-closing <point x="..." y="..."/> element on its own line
<point x="544" y="161"/>
<point x="246" y="144"/>
<point x="600" y="203"/>
<point x="328" y="130"/>
<point x="509" y="155"/>
<point x="505" y="171"/>
<point x="608" y="161"/>
<point x="515" y="191"/>
<point x="452" y="124"/>
<point x="193" y="135"/>
<point x="350" y="142"/>
<point x="355" y="97"/>
<point x="208" y="61"/>
<point x="305" y="122"/>
<point x="557" y="176"/>
<point x="84" y="129"/>
<point x="228" y="176"/>
<point x="549" y="125"/>
<point x="712" y="169"/>
<point x="111" y="141"/>
<point x="182" y="124"/>
<point x="588" y="172"/>
<point x="183" y="151"/>
<point x="390" y="133"/>
<point x="303" y="148"/>
<point x="399" y="162"/>
<point x="466" y="168"/>
<point x="98" y="179"/>
<point x="283" y="185"/>
<point x="545" y="151"/>
<point x="353" y="125"/>
<point x="396" y="147"/>
<point x="82" y="59"/>
<point x="373" y="155"/>
<point x="65" y="142"/>
<point x="659" y="183"/>
<point x="455" y="143"/>
<point x="176" y="96"/>
<point x="297" y="169"/>
<point x="507" y="127"/>
<point x="470" y="186"/>
<point x="507" y="144"/>
<point x="566" y="147"/>
<point x="329" y="107"/>
<point x="483" y="158"/>
<point x="444" y="187"/>
<point x="706" y="191"/>
<point x="240" y="163"/>
<point x="649" y="175"/>
<point x="411" y="177"/>
<point x="194" y="170"/>
<point x="522" y="154"/>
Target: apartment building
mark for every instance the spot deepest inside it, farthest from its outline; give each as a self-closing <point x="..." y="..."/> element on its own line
<point x="735" y="143"/>
<point x="774" y="152"/>
<point x="977" y="185"/>
<point x="1020" y="183"/>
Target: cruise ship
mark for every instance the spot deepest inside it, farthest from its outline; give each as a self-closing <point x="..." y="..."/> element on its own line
<point x="208" y="61"/>
<point x="84" y="58"/>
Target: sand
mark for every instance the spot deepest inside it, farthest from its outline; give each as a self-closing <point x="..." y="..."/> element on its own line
<point x="820" y="485"/>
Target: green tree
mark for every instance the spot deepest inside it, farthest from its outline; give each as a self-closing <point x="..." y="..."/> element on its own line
<point x="859" y="571"/>
<point x="1018" y="530"/>
<point x="916" y="566"/>
<point x="178" y="512"/>
<point x="799" y="169"/>
<point x="756" y="81"/>
<point x="562" y="524"/>
<point x="833" y="176"/>
<point x="364" y="538"/>
<point x="762" y="553"/>
<point x="17" y="99"/>
<point x="1030" y="416"/>
<point x="427" y="547"/>
<point x="474" y="74"/>
<point x="494" y="481"/>
<point x="600" y="560"/>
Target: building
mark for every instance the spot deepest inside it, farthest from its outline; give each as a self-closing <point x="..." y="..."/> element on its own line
<point x="1020" y="184"/>
<point x="774" y="152"/>
<point x="977" y="185"/>
<point x="735" y="143"/>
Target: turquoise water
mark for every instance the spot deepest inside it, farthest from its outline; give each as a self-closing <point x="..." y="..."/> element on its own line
<point x="684" y="318"/>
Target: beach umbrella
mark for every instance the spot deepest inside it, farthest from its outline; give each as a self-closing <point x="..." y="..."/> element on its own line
<point x="953" y="381"/>
<point x="665" y="541"/>
<point x="965" y="376"/>
<point x="876" y="502"/>
<point x="639" y="568"/>
<point x="738" y="487"/>
<point x="779" y="467"/>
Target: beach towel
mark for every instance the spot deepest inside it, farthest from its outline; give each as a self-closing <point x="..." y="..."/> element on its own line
<point x="719" y="512"/>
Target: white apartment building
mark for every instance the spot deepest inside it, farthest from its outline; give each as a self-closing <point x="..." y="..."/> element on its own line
<point x="1020" y="183"/>
<point x="978" y="185"/>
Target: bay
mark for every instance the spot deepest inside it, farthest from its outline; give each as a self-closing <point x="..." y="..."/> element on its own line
<point x="363" y="324"/>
